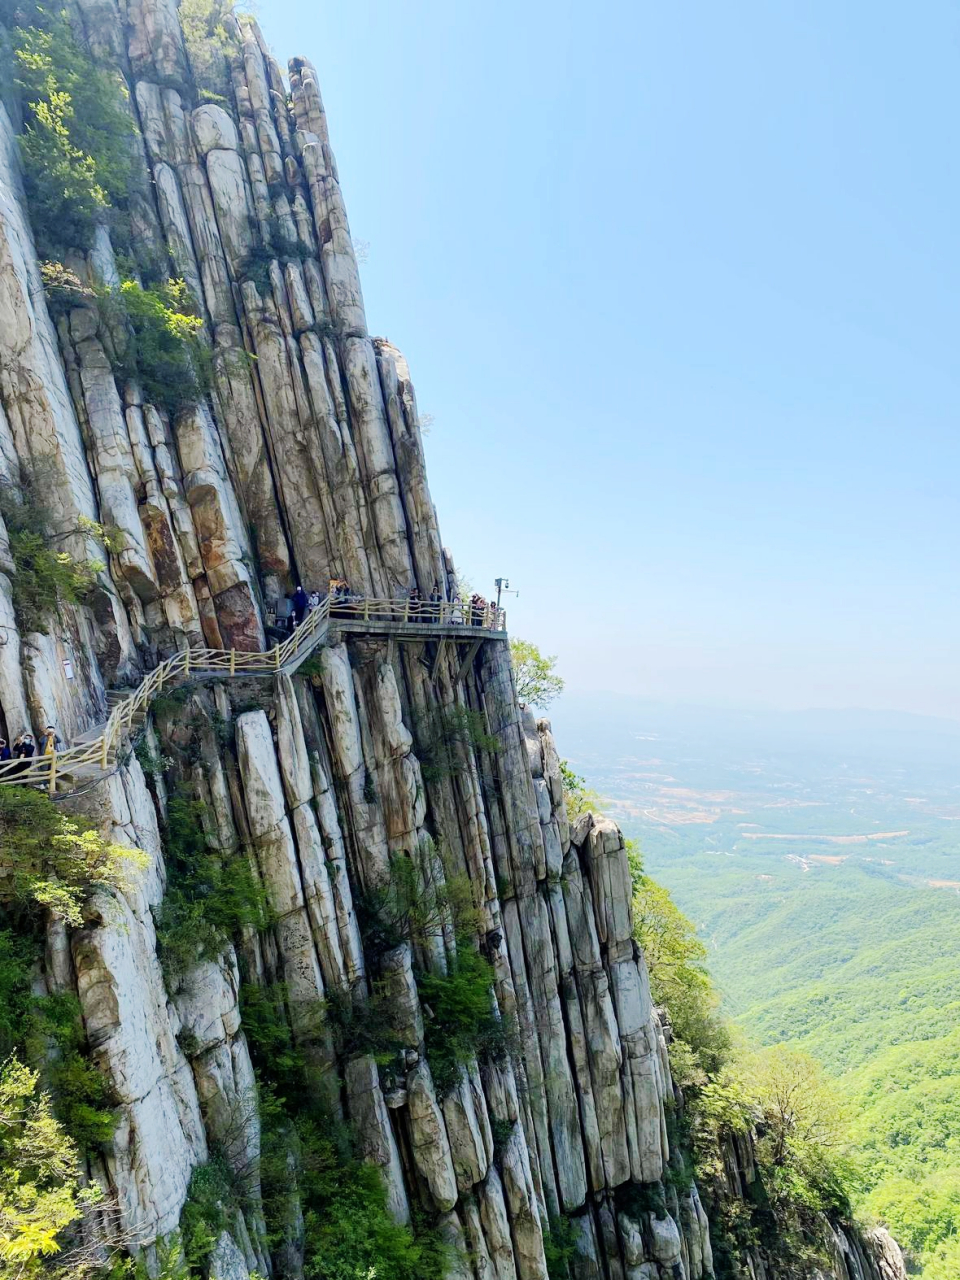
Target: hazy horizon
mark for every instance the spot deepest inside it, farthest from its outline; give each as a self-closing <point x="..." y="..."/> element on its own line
<point x="679" y="288"/>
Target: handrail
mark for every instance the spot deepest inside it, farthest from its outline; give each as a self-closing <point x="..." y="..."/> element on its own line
<point x="430" y="615"/>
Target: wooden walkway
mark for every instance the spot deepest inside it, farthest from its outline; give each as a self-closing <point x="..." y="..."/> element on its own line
<point x="97" y="750"/>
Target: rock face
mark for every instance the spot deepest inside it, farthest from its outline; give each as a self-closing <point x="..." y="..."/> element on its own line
<point x="305" y="462"/>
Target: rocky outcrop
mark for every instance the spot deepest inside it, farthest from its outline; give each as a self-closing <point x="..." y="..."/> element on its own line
<point x="303" y="462"/>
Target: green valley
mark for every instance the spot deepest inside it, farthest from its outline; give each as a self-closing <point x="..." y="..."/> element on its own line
<point x="820" y="864"/>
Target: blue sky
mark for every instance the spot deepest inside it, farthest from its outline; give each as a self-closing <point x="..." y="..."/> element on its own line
<point x="680" y="286"/>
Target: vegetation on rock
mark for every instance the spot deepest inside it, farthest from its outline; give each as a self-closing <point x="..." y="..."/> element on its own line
<point x="535" y="674"/>
<point x="465" y="1023"/>
<point x="577" y="796"/>
<point x="45" y="576"/>
<point x="41" y="1192"/>
<point x="447" y="736"/>
<point x="412" y="906"/>
<point x="61" y="1104"/>
<point x="76" y="143"/>
<point x="210" y="898"/>
<point x="348" y="1229"/>
<point x="164" y="351"/>
<point x="206" y="35"/>
<point x="46" y="860"/>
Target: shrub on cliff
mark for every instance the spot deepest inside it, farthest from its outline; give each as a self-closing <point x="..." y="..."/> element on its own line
<point x="45" y="576"/>
<point x="416" y="905"/>
<point x="447" y="736"/>
<point x="165" y="351"/>
<point x="75" y="146"/>
<point x="209" y="899"/>
<point x="46" y="860"/>
<point x="207" y="35"/>
<point x="578" y="798"/>
<point x="41" y="1195"/>
<point x="464" y="1023"/>
<point x="308" y="1152"/>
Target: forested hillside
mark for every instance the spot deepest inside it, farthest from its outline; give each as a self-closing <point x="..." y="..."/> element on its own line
<point x="821" y="881"/>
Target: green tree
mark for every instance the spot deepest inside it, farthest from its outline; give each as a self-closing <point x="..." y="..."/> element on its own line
<point x="166" y="352"/>
<point x="40" y="1191"/>
<point x="577" y="796"/>
<point x="535" y="674"/>
<point x="943" y="1262"/>
<point x="679" y="979"/>
<point x="206" y="31"/>
<point x="75" y="145"/>
<point x="46" y="860"/>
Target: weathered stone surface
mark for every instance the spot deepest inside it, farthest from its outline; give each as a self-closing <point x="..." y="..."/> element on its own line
<point x="277" y="857"/>
<point x="428" y="1138"/>
<point x="366" y="1108"/>
<point x="226" y="1261"/>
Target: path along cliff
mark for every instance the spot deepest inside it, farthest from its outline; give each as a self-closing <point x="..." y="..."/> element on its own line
<point x="385" y="766"/>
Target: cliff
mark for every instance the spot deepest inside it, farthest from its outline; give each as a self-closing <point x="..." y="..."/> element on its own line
<point x="387" y="765"/>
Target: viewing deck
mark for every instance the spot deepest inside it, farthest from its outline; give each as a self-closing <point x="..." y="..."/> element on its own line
<point x="96" y="751"/>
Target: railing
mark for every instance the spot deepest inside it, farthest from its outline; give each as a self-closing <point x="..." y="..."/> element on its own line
<point x="102" y="751"/>
<point x="442" y="613"/>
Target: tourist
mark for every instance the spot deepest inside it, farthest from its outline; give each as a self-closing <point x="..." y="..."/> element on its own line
<point x="314" y="601"/>
<point x="5" y="752"/>
<point x="51" y="741"/>
<point x="300" y="604"/>
<point x="456" y="613"/>
<point x="415" y="604"/>
<point x="24" y="748"/>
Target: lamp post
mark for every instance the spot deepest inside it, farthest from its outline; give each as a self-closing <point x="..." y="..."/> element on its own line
<point x="503" y="586"/>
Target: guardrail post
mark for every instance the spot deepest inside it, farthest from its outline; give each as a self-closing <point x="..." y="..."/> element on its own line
<point x="186" y="661"/>
<point x="406" y="610"/>
<point x="53" y="773"/>
<point x="366" y="610"/>
<point x="233" y="662"/>
<point x="105" y="749"/>
<point x="276" y="657"/>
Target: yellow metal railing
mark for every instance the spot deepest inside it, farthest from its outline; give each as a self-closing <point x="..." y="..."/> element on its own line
<point x="102" y="751"/>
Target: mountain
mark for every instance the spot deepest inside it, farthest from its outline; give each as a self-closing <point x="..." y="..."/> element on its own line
<point x="818" y="854"/>
<point x="304" y="970"/>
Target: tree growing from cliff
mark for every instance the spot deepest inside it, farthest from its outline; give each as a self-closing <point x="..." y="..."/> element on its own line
<point x="165" y="351"/>
<point x="679" y="979"/>
<point x="75" y="146"/>
<point x="45" y="575"/>
<point x="535" y="674"/>
<point x="207" y="36"/>
<point x="40" y="1193"/>
<point x="577" y="796"/>
<point x="48" y="861"/>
